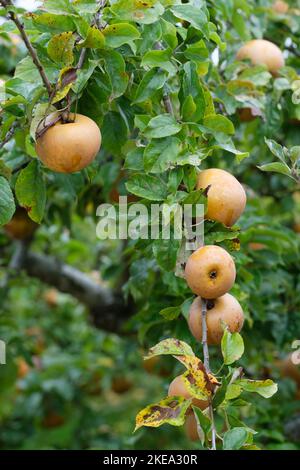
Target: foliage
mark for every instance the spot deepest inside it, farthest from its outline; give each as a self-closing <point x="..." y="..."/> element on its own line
<point x="161" y="80"/>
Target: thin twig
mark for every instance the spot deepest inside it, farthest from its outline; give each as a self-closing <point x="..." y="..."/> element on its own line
<point x="9" y="134"/>
<point x="207" y="367"/>
<point x="12" y="16"/>
<point x="166" y="97"/>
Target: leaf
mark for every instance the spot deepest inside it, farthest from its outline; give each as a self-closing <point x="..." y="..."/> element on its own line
<point x="52" y="22"/>
<point x="7" y="203"/>
<point x="60" y="48"/>
<point x="171" y="410"/>
<point x="265" y="388"/>
<point x="41" y="112"/>
<point x="94" y="39"/>
<point x="276" y="167"/>
<point x="234" y="438"/>
<point x="162" y="125"/>
<point x="203" y="424"/>
<point x="117" y="34"/>
<point x="170" y="346"/>
<point x="277" y="150"/>
<point x="151" y="82"/>
<point x="114" y="132"/>
<point x="218" y="123"/>
<point x="165" y="252"/>
<point x="115" y="67"/>
<point x="233" y="391"/>
<point x="194" y="15"/>
<point x="137" y="11"/>
<point x="161" y="154"/>
<point x="147" y="186"/>
<point x="191" y="86"/>
<point x="171" y="313"/>
<point x="31" y="191"/>
<point x="232" y="345"/>
<point x="161" y="59"/>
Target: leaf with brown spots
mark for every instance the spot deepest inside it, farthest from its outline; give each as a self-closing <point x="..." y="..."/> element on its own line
<point x="171" y="410"/>
<point x="170" y="346"/>
<point x="198" y="382"/>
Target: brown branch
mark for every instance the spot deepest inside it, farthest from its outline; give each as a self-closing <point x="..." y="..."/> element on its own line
<point x="12" y="16"/>
<point x="9" y="134"/>
<point x="207" y="367"/>
<point x="107" y="307"/>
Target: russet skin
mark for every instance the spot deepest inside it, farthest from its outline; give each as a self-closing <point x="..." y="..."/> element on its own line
<point x="226" y="198"/>
<point x="70" y="147"/>
<point x="262" y="52"/>
<point x="210" y="272"/>
<point x="177" y="388"/>
<point x="223" y="310"/>
<point x="191" y="428"/>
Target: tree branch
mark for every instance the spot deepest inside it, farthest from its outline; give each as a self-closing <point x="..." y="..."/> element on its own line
<point x="12" y="16"/>
<point x="108" y="309"/>
<point x="9" y="134"/>
<point x="207" y="367"/>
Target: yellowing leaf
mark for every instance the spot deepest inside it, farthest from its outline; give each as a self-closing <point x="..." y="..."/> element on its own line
<point x="60" y="48"/>
<point x="171" y="410"/>
<point x="170" y="346"/>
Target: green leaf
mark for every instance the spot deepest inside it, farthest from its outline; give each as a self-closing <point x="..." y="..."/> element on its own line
<point x="139" y="12"/>
<point x="170" y="346"/>
<point x="147" y="186"/>
<point x="277" y="150"/>
<point x="235" y="438"/>
<point x="152" y="81"/>
<point x="31" y="191"/>
<point x="7" y="203"/>
<point x="162" y="125"/>
<point x="232" y="345"/>
<point x="47" y="22"/>
<point x="170" y="313"/>
<point x="203" y="424"/>
<point x="117" y="34"/>
<point x="265" y="388"/>
<point x="60" y="48"/>
<point x="219" y="124"/>
<point x="165" y="252"/>
<point x="94" y="39"/>
<point x="161" y="59"/>
<point x="161" y="154"/>
<point x="115" y="67"/>
<point x="194" y="15"/>
<point x="114" y="132"/>
<point x="276" y="167"/>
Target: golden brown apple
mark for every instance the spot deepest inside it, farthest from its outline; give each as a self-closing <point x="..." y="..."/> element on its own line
<point x="226" y="199"/>
<point x="69" y="147"/>
<point x="191" y="428"/>
<point x="280" y="7"/>
<point x="225" y="309"/>
<point x="210" y="271"/>
<point x="262" y="52"/>
<point x="21" y="227"/>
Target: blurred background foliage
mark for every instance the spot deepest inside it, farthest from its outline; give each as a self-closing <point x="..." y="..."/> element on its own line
<point x="70" y="385"/>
